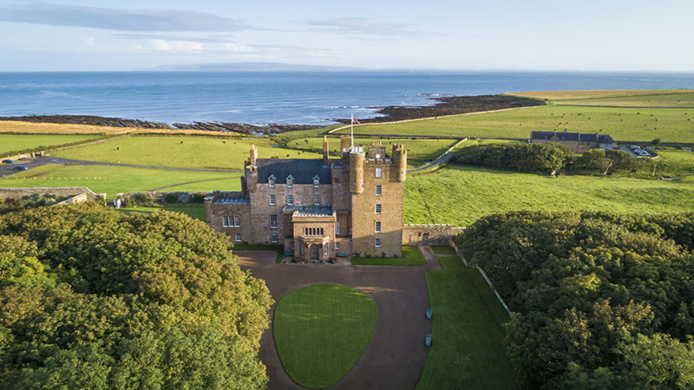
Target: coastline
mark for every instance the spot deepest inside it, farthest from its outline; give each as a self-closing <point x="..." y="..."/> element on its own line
<point x="453" y="105"/>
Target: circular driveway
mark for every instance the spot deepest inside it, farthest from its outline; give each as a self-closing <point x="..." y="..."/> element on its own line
<point x="395" y="357"/>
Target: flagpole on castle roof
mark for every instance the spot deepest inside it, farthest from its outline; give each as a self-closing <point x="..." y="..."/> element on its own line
<point x="351" y="132"/>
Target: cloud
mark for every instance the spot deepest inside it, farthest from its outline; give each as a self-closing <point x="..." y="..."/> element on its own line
<point x="119" y="20"/>
<point x="175" y="37"/>
<point x="362" y="26"/>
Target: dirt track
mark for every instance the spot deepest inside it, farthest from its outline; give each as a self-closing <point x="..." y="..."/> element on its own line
<point x="396" y="355"/>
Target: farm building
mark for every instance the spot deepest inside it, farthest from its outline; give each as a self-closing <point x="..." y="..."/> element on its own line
<point x="578" y="142"/>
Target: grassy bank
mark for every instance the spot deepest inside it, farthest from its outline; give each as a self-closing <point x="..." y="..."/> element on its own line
<point x="411" y="256"/>
<point x="460" y="195"/>
<point x="467" y="334"/>
<point x="16" y="142"/>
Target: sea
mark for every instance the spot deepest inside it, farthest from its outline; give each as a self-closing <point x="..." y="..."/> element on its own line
<point x="261" y="98"/>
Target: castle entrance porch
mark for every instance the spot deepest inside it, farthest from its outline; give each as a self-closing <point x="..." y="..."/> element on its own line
<point x="314" y="253"/>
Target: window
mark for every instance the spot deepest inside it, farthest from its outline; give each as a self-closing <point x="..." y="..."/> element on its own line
<point x="290" y="181"/>
<point x="337" y="228"/>
<point x="379" y="172"/>
<point x="316" y="181"/>
<point x="316" y="200"/>
<point x="378" y="208"/>
<point x="272" y="200"/>
<point x="290" y="200"/>
<point x="231" y="222"/>
<point x="271" y="181"/>
<point x="238" y="237"/>
<point x="274" y="238"/>
<point x="314" y="231"/>
<point x="337" y="246"/>
<point x="379" y="190"/>
<point x="325" y="249"/>
<point x="378" y="226"/>
<point x="377" y="243"/>
<point x="273" y="221"/>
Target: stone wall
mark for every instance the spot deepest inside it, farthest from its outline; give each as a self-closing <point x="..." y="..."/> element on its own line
<point x="66" y="192"/>
<point x="428" y="234"/>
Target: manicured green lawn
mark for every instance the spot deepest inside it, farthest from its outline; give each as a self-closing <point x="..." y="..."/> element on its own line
<point x="459" y="195"/>
<point x="467" y="350"/>
<point x="195" y="212"/>
<point x="113" y="180"/>
<point x="443" y="250"/>
<point x="262" y="247"/>
<point x="623" y="124"/>
<point x="411" y="256"/>
<point x="321" y="331"/>
<point x="182" y="151"/>
<point x="16" y="142"/>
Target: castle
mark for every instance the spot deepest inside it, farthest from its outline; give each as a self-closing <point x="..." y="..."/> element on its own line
<point x="318" y="209"/>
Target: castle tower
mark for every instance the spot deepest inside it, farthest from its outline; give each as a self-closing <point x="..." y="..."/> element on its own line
<point x="251" y="170"/>
<point x="326" y="154"/>
<point x="356" y="171"/>
<point x="399" y="163"/>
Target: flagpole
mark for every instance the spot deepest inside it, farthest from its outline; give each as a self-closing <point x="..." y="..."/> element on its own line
<point x="351" y="132"/>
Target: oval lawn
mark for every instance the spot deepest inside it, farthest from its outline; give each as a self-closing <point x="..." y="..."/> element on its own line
<point x="321" y="331"/>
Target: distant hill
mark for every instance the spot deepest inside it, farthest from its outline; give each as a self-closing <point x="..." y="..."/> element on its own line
<point x="252" y="67"/>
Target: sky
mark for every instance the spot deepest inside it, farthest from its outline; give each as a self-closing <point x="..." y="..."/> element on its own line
<point x="124" y="35"/>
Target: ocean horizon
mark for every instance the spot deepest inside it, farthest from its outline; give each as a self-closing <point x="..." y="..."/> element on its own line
<point x="261" y="98"/>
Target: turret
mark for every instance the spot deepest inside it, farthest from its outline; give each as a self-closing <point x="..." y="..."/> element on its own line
<point x="356" y="172"/>
<point x="345" y="144"/>
<point x="399" y="163"/>
<point x="326" y="155"/>
<point x="251" y="169"/>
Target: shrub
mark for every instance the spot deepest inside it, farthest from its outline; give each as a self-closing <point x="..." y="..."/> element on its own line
<point x="171" y="198"/>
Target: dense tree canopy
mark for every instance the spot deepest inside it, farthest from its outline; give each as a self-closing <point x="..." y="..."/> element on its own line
<point x="600" y="301"/>
<point x="540" y="158"/>
<point x="91" y="298"/>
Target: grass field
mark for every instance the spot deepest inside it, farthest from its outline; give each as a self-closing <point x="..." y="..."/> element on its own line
<point x="62" y="128"/>
<point x="418" y="150"/>
<point x="113" y="180"/>
<point x="195" y="212"/>
<point x="181" y="151"/>
<point x="623" y="124"/>
<point x="411" y="256"/>
<point x="443" y="250"/>
<point x="460" y="195"/>
<point x="16" y="142"/>
<point x="599" y="94"/>
<point x="467" y="334"/>
<point x="321" y="331"/>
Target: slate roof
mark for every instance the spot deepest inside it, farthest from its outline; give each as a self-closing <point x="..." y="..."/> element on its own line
<point x="566" y="136"/>
<point x="313" y="211"/>
<point x="231" y="201"/>
<point x="303" y="171"/>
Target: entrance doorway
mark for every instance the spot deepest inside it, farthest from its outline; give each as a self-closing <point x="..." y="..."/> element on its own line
<point x="425" y="239"/>
<point x="313" y="252"/>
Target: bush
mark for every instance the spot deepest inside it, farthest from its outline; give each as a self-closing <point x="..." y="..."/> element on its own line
<point x="141" y="198"/>
<point x="171" y="198"/>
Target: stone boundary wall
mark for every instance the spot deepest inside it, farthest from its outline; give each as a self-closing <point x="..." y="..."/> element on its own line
<point x="489" y="282"/>
<point x="436" y="234"/>
<point x="18" y="193"/>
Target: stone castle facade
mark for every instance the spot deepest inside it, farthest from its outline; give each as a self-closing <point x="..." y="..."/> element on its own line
<point x="318" y="209"/>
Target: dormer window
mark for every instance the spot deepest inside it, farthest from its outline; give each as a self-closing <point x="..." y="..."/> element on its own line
<point x="316" y="181"/>
<point x="290" y="181"/>
<point x="271" y="181"/>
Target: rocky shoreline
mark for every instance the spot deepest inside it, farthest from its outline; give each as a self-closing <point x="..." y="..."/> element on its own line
<point x="445" y="106"/>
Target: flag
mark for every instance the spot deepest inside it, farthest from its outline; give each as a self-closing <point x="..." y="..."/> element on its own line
<point x="354" y="120"/>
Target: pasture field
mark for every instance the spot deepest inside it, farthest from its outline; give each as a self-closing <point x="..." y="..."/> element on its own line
<point x="321" y="331"/>
<point x="16" y="142"/>
<point x="418" y="150"/>
<point x="112" y="180"/>
<point x="674" y="162"/>
<point x="181" y="151"/>
<point x="67" y="128"/>
<point x="467" y="333"/>
<point x="623" y="124"/>
<point x="459" y="195"/>
<point x="556" y="96"/>
<point x="679" y="100"/>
